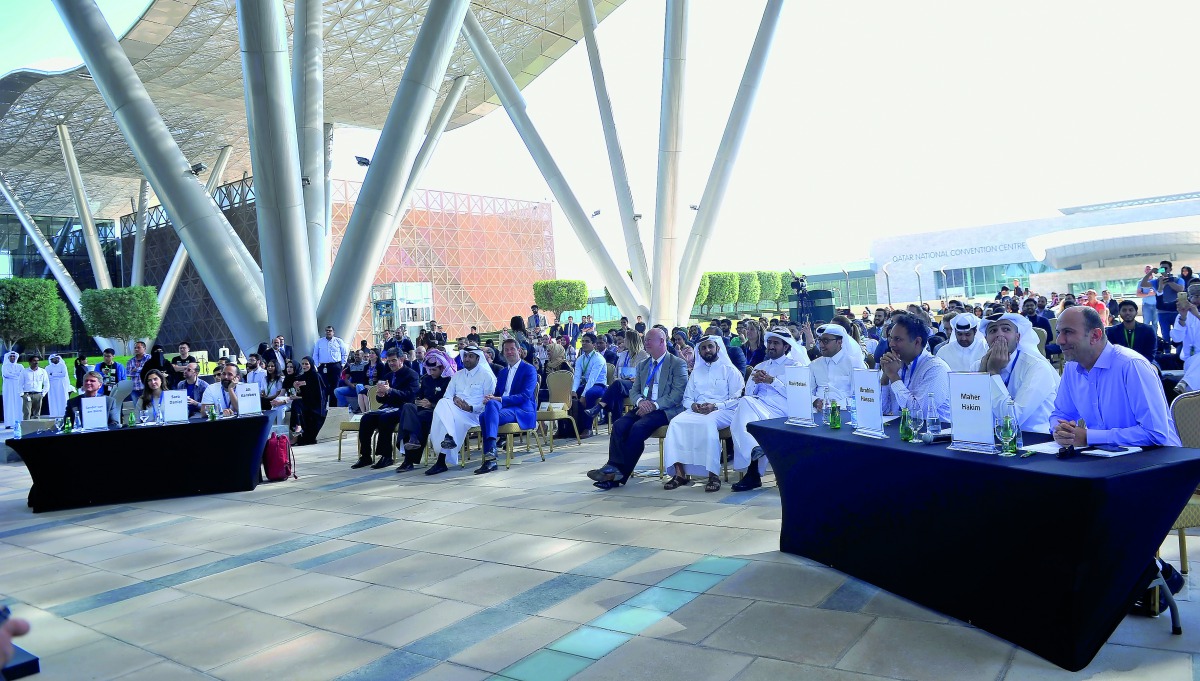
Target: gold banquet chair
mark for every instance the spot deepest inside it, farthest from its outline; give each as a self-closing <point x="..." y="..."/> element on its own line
<point x="559" y="385"/>
<point x="1186" y="412"/>
<point x="509" y="431"/>
<point x="351" y="425"/>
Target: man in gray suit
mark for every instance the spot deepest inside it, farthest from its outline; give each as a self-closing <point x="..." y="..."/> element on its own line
<point x="658" y="388"/>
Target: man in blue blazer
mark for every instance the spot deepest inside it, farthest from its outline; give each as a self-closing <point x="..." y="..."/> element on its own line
<point x="515" y="401"/>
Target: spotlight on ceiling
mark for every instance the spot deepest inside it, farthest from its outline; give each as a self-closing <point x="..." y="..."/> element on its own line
<point x="198" y="168"/>
<point x="364" y="162"/>
<point x="694" y="206"/>
<point x="595" y="213"/>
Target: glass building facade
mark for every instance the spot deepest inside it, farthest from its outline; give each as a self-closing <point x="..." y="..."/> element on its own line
<point x="985" y="281"/>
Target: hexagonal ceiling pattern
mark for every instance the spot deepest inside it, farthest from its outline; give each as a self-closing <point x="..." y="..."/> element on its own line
<point x="186" y="53"/>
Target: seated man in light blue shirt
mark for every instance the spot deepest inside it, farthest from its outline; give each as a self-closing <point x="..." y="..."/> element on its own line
<point x="1109" y="394"/>
<point x="591" y="378"/>
<point x="910" y="373"/>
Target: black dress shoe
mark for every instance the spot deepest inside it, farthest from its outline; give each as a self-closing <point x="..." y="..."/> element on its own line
<point x="405" y="467"/>
<point x="362" y="463"/>
<point x="436" y="468"/>
<point x="751" y="480"/>
<point x="448" y="443"/>
<point x="604" y="474"/>
<point x="593" y="412"/>
<point x="583" y="435"/>
<point x="488" y="466"/>
<point x="412" y="446"/>
<point x="606" y="484"/>
<point x="385" y="462"/>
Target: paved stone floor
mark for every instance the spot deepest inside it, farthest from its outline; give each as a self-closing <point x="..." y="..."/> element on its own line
<point x="528" y="574"/>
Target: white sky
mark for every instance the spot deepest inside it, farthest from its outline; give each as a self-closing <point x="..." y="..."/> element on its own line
<point x="875" y="119"/>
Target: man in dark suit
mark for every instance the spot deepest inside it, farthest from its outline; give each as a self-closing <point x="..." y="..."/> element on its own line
<point x="278" y="352"/>
<point x="515" y="401"/>
<point x="658" y="388"/>
<point x="1131" y="333"/>
<point x="395" y="389"/>
<point x="570" y="329"/>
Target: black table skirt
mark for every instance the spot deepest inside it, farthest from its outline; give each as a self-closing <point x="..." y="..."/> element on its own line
<point x="146" y="462"/>
<point x="1043" y="552"/>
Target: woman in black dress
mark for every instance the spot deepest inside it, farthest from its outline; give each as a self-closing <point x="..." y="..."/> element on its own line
<point x="308" y="403"/>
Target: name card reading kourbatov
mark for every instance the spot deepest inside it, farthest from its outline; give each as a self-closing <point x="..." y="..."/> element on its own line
<point x="869" y="402"/>
<point x="971" y="409"/>
<point x="175" y="406"/>
<point x="95" y="413"/>
<point x="799" y="396"/>
<point x="248" y="398"/>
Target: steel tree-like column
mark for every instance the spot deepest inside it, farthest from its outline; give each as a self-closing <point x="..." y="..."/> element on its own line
<point x="275" y="158"/>
<point x="138" y="270"/>
<point x="431" y="141"/>
<point x="61" y="275"/>
<point x="308" y="97"/>
<point x="166" y="290"/>
<point x="200" y="224"/>
<point x="373" y="223"/>
<point x="664" y="300"/>
<point x="91" y="239"/>
<point x="623" y="293"/>
<point x="731" y="142"/>
<point x="616" y="159"/>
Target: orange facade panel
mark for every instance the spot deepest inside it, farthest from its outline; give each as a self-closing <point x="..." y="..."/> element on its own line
<point x="481" y="254"/>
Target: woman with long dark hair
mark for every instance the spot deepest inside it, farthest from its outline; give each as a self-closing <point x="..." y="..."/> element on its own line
<point x="308" y="404"/>
<point x="152" y="394"/>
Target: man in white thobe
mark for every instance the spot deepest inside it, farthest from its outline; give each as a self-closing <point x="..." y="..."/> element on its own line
<point x="832" y="371"/>
<point x="460" y="408"/>
<point x="692" y="444"/>
<point x="12" y="372"/>
<point x="766" y="398"/>
<point x="1018" y="370"/>
<point x="34" y="386"/>
<point x="60" y="384"/>
<point x="962" y="352"/>
<point x="1186" y="331"/>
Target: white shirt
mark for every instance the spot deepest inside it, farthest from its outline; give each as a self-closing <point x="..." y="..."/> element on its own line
<point x="1033" y="385"/>
<point x="959" y="358"/>
<point x="35" y="381"/>
<point x="215" y="394"/>
<point x="775" y="392"/>
<point x="326" y="350"/>
<point x="926" y="374"/>
<point x="512" y="373"/>
<point x="258" y="376"/>
<point x="835" y="372"/>
<point x="719" y="383"/>
<point x="472" y="385"/>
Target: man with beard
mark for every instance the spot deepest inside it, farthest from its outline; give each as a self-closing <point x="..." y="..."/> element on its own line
<point x="692" y="444"/>
<point x="460" y="408"/>
<point x="393" y="390"/>
<point x="1018" y="370"/>
<point x="766" y="398"/>
<point x="1128" y="331"/>
<point x="963" y="352"/>
<point x="223" y="394"/>
<point x="1030" y="311"/>
<point x="832" y="371"/>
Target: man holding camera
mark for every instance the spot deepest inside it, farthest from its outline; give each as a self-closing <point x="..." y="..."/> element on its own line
<point x="1166" y="289"/>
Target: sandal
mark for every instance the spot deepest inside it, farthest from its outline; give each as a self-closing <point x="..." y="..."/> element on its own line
<point x="714" y="483"/>
<point x="676" y="482"/>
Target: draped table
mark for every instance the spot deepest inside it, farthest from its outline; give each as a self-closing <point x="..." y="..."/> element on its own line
<point x="143" y="462"/>
<point x="1047" y="553"/>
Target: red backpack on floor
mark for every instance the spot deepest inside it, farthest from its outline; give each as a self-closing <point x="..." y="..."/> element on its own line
<point x="278" y="460"/>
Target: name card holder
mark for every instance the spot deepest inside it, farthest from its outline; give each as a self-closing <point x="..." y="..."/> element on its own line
<point x="799" y="397"/>
<point x="971" y="413"/>
<point x="868" y="395"/>
<point x="249" y="400"/>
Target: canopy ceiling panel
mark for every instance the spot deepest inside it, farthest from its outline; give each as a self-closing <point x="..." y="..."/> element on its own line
<point x="186" y="53"/>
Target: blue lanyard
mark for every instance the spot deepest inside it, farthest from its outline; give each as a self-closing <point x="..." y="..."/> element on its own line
<point x="909" y="371"/>
<point x="154" y="407"/>
<point x="650" y="378"/>
<point x="1014" y="368"/>
<point x="225" y="398"/>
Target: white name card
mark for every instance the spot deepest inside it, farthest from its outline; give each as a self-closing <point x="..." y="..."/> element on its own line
<point x="95" y="413"/>
<point x="799" y="396"/>
<point x="248" y="398"/>
<point x="971" y="412"/>
<point x="868" y="396"/>
<point x="175" y="406"/>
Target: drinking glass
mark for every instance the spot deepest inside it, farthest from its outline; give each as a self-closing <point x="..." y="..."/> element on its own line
<point x="143" y="415"/>
<point x="58" y="424"/>
<point x="1006" y="433"/>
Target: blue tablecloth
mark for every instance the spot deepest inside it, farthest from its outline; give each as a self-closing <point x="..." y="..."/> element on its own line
<point x="1044" y="552"/>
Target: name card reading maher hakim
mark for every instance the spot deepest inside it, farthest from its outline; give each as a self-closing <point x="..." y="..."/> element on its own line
<point x="971" y="409"/>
